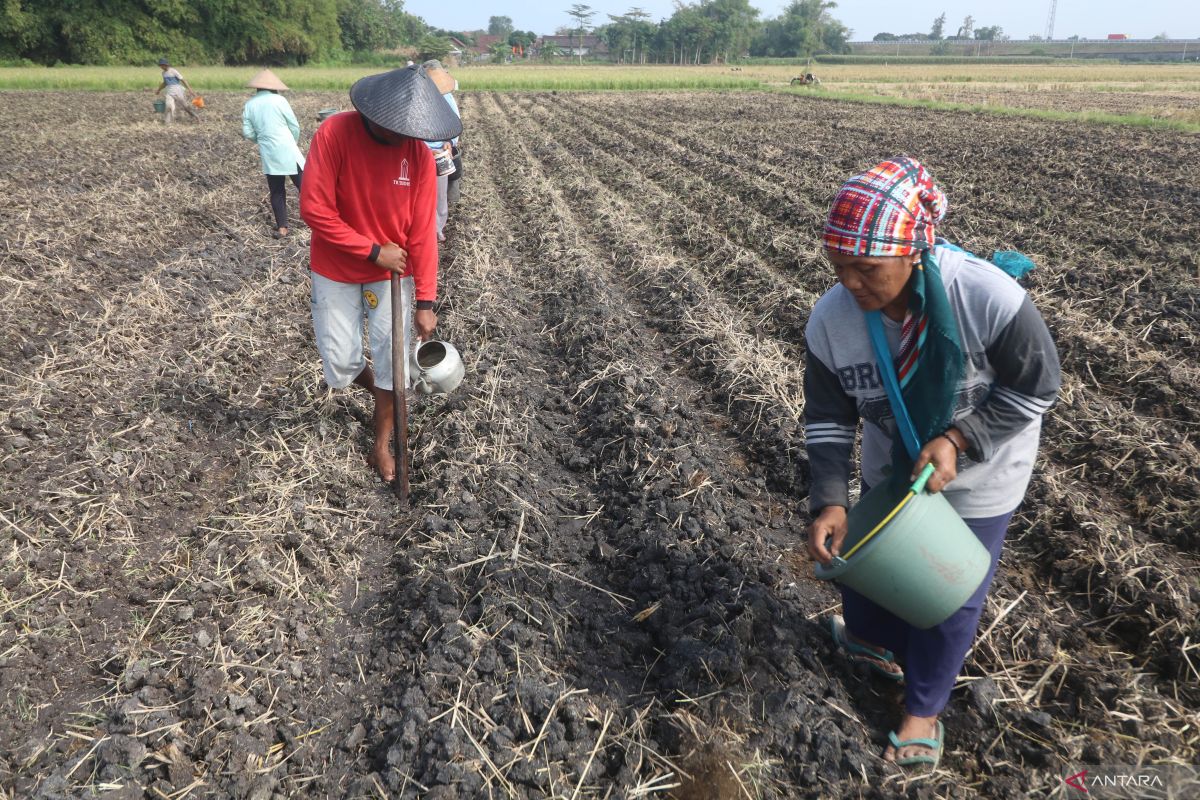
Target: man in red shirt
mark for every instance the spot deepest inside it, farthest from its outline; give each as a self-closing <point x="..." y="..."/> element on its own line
<point x="369" y="196"/>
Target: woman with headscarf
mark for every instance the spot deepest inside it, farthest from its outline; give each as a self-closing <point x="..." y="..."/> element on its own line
<point x="976" y="369"/>
<point x="267" y="119"/>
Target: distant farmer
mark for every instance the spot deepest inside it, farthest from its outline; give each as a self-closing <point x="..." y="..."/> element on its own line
<point x="977" y="368"/>
<point x="446" y="85"/>
<point x="369" y="195"/>
<point x="175" y="84"/>
<point x="267" y="119"/>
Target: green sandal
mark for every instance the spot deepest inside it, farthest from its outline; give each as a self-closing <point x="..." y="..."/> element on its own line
<point x="860" y="654"/>
<point x="933" y="744"/>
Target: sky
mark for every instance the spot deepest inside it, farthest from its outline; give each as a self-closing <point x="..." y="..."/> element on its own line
<point x="1090" y="19"/>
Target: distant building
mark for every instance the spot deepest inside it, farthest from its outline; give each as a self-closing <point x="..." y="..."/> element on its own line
<point x="1118" y="45"/>
<point x="484" y="42"/>
<point x="479" y="51"/>
<point x="571" y="46"/>
<point x="458" y="52"/>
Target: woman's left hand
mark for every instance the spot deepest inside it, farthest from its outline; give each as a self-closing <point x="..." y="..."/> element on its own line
<point x="942" y="453"/>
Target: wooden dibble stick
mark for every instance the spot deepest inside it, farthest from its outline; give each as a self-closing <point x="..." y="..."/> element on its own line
<point x="400" y="387"/>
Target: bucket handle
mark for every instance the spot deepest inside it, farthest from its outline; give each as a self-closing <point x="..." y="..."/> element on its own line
<point x="836" y="567"/>
<point x="840" y="564"/>
<point x="922" y="479"/>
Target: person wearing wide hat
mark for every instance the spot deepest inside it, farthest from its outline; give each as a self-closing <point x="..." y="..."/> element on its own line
<point x="447" y="184"/>
<point x="175" y="84"/>
<point x="268" y="120"/>
<point x="369" y="196"/>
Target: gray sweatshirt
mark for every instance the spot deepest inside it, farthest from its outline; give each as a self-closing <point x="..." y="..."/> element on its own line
<point x="1011" y="379"/>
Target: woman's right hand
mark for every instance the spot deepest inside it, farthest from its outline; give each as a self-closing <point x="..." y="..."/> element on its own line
<point x="826" y="534"/>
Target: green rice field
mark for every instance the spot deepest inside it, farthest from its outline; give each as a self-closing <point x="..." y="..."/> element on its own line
<point x="1152" y="95"/>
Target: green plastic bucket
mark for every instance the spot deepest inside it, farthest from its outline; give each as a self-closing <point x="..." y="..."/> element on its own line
<point x="160" y="106"/>
<point x="922" y="564"/>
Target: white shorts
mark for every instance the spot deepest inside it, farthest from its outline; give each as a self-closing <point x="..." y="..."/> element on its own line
<point x="338" y="309"/>
<point x="177" y="100"/>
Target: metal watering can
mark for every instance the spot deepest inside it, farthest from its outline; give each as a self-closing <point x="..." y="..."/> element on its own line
<point x="436" y="367"/>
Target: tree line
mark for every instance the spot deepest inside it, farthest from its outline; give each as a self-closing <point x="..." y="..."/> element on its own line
<point x="293" y="32"/>
<point x="701" y="32"/>
<point x="274" y="32"/>
<point x="937" y="31"/>
<point x="717" y="30"/>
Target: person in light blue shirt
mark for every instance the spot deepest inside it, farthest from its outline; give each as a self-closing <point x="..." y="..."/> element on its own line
<point x="268" y="120"/>
<point x="454" y="179"/>
<point x="446" y="85"/>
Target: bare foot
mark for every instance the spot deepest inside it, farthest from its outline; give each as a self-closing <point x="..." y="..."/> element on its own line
<point x="382" y="460"/>
<point x="913" y="728"/>
<point x="381" y="454"/>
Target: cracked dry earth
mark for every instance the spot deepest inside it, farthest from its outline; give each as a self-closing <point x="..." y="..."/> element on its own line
<point x="598" y="591"/>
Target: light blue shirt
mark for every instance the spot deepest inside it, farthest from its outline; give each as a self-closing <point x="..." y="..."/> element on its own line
<point x="454" y="105"/>
<point x="268" y="120"/>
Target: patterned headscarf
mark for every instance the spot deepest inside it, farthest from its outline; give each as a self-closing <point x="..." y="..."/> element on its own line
<point x="889" y="210"/>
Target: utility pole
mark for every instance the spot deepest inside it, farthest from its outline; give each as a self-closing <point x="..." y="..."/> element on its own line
<point x="1050" y="21"/>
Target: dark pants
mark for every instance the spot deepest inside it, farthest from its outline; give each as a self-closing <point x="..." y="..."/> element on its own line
<point x="279" y="196"/>
<point x="932" y="658"/>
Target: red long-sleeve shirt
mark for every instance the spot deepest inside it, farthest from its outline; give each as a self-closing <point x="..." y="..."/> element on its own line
<point x="359" y="193"/>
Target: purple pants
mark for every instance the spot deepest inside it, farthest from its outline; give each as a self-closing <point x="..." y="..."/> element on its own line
<point x="932" y="658"/>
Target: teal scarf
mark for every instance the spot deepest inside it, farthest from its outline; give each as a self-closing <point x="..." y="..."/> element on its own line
<point x="931" y="394"/>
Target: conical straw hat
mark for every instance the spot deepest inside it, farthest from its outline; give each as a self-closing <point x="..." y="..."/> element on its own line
<point x="405" y="101"/>
<point x="267" y="80"/>
<point x="438" y="74"/>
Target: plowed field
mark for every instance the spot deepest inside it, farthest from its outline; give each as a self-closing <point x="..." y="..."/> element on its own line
<point x="599" y="592"/>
